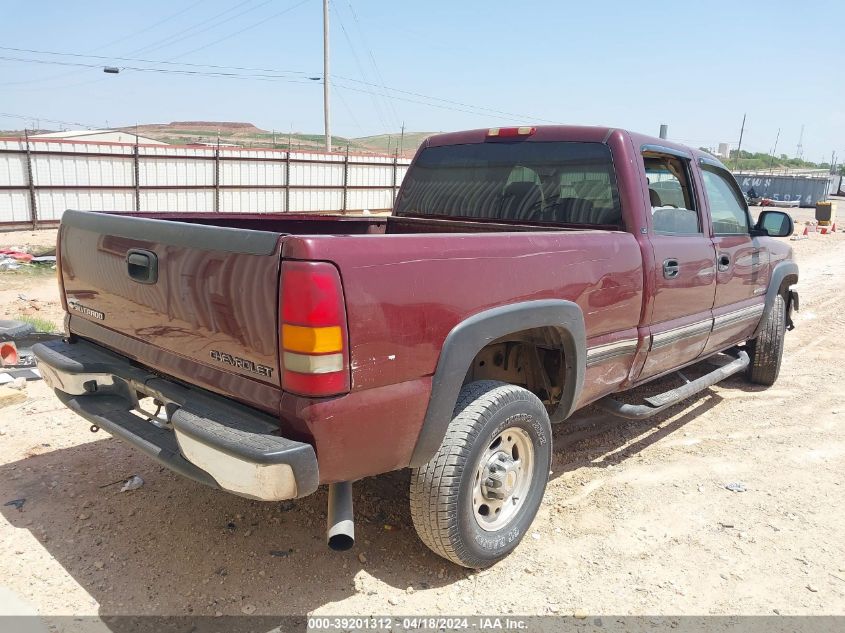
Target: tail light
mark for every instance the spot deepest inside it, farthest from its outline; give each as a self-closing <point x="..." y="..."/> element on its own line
<point x="315" y="354"/>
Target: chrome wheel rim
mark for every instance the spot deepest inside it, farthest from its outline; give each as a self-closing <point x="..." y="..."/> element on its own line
<point x="502" y="478"/>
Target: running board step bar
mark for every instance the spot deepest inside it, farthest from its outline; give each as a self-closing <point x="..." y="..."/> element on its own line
<point x="663" y="401"/>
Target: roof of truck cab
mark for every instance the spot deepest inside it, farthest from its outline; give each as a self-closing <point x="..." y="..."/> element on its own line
<point x="579" y="133"/>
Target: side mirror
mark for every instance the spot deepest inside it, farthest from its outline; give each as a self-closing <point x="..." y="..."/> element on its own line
<point x="774" y="224"/>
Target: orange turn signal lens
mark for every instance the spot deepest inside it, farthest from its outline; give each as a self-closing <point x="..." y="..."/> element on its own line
<point x="312" y="340"/>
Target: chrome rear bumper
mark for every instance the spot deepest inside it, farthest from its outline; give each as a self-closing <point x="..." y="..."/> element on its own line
<point x="202" y="436"/>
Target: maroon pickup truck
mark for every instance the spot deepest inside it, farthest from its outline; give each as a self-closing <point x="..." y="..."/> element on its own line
<point x="524" y="273"/>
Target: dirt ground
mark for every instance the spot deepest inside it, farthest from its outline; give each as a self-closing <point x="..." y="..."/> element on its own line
<point x="636" y="518"/>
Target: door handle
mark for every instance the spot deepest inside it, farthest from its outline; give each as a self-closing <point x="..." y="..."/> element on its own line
<point x="671" y="268"/>
<point x="724" y="261"/>
<point x="142" y="266"/>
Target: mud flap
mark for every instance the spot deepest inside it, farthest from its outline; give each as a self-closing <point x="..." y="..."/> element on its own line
<point x="792" y="303"/>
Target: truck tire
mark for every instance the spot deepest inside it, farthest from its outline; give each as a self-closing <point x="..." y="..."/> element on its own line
<point x="766" y="351"/>
<point x="476" y="498"/>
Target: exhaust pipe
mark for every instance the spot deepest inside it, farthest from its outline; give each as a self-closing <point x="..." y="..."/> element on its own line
<point x="341" y="529"/>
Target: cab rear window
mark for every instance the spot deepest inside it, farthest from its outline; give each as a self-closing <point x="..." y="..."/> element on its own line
<point x="534" y="182"/>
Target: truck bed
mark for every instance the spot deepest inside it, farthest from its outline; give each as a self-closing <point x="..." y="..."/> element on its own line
<point x="212" y="319"/>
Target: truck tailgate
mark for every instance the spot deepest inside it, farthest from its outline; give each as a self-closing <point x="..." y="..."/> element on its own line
<point x="204" y="294"/>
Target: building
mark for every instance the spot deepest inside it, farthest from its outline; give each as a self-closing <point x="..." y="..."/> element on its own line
<point x="98" y="136"/>
<point x="724" y="150"/>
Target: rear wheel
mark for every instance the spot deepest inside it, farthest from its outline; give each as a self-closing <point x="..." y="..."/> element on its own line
<point x="476" y="498"/>
<point x="766" y="351"/>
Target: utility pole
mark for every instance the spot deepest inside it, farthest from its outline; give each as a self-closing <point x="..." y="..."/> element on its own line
<point x="402" y="140"/>
<point x="799" y="151"/>
<point x="739" y="145"/>
<point x="326" y="104"/>
<point x="774" y="149"/>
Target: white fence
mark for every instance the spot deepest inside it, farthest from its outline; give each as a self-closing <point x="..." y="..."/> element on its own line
<point x="40" y="179"/>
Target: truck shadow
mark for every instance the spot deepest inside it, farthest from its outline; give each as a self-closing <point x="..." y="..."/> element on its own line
<point x="176" y="547"/>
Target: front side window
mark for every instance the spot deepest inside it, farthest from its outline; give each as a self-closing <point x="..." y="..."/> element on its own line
<point x="528" y="181"/>
<point x="727" y="210"/>
<point x="673" y="209"/>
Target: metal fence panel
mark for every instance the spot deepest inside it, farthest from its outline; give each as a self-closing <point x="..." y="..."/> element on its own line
<point x="360" y="199"/>
<point x="15" y="207"/>
<point x="370" y="175"/>
<point x="252" y="200"/>
<point x="52" y="203"/>
<point x="245" y="173"/>
<point x="176" y="172"/>
<point x="316" y="200"/>
<point x="13" y="170"/>
<point x="40" y="179"/>
<point x="95" y="171"/>
<point x="177" y="200"/>
<point x="316" y="174"/>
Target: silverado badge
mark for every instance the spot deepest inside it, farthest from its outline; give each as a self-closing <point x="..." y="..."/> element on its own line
<point x="89" y="312"/>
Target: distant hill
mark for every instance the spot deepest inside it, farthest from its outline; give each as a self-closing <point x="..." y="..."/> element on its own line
<point x="248" y="135"/>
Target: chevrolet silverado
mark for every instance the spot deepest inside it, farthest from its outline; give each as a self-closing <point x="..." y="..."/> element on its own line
<point x="525" y="273"/>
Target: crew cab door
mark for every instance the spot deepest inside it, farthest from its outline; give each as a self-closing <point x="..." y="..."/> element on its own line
<point x="683" y="270"/>
<point x="742" y="261"/>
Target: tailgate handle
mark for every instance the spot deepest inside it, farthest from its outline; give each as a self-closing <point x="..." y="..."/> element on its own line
<point x="142" y="266"/>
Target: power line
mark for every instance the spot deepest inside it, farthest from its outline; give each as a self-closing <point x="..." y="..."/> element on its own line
<point x="152" y="26"/>
<point x="372" y="59"/>
<point x="130" y="35"/>
<point x="450" y="101"/>
<point x="275" y="74"/>
<point x="246" y="28"/>
<point x="185" y="33"/>
<point x="257" y="77"/>
<point x="373" y="95"/>
<point x="41" y="118"/>
<point x="147" y="61"/>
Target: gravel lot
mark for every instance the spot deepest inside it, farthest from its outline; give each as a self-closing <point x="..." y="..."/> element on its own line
<point x="636" y="520"/>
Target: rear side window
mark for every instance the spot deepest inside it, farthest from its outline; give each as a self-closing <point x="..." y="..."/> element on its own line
<point x="535" y="182"/>
<point x="673" y="209"/>
<point x="727" y="209"/>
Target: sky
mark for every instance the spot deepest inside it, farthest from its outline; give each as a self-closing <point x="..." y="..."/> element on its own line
<point x="436" y="66"/>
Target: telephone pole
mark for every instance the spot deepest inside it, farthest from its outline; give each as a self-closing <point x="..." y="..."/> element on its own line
<point x="739" y="145"/>
<point x="326" y="103"/>
<point x="774" y="149"/>
<point x="799" y="151"/>
<point x="402" y="140"/>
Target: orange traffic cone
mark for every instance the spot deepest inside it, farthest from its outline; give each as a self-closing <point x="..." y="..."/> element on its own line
<point x="806" y="232"/>
<point x="8" y="354"/>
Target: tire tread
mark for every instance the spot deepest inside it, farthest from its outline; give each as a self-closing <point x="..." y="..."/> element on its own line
<point x="766" y="351"/>
<point x="435" y="485"/>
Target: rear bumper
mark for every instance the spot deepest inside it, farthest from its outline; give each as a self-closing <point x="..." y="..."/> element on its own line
<point x="202" y="436"/>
